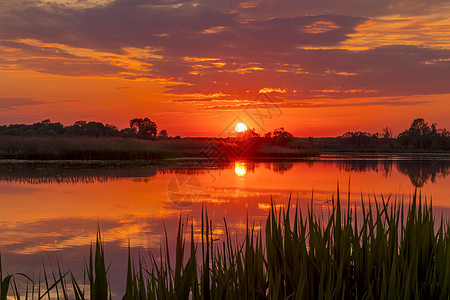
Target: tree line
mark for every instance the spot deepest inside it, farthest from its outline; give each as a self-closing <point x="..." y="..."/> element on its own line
<point x="419" y="136"/>
<point x="140" y="128"/>
<point x="423" y="136"/>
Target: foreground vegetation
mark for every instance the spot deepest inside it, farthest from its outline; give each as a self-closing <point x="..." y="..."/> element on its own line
<point x="386" y="251"/>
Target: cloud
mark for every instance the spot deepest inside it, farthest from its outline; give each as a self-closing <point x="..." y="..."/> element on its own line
<point x="286" y="8"/>
<point x="73" y="67"/>
<point x="16" y="47"/>
<point x="14" y="103"/>
<point x="305" y="74"/>
<point x="307" y="49"/>
<point x="65" y="60"/>
<point x="311" y="104"/>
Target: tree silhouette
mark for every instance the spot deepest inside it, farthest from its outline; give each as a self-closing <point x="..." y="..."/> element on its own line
<point x="387" y="137"/>
<point x="422" y="171"/>
<point x="248" y="134"/>
<point x="163" y="134"/>
<point x="144" y="128"/>
<point x="281" y="137"/>
<point x="359" y="139"/>
<point x="420" y="135"/>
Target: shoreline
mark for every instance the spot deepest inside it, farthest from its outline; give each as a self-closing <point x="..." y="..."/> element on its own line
<point x="197" y="161"/>
<point x="119" y="151"/>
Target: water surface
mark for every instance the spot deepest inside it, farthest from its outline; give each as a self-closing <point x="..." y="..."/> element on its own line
<point x="51" y="212"/>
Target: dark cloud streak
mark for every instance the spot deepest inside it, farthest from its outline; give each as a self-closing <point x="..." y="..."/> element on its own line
<point x="14" y="103"/>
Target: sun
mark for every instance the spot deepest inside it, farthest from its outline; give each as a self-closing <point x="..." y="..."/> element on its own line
<point x="240" y="127"/>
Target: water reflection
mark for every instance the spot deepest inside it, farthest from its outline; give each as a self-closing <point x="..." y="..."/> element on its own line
<point x="184" y="190"/>
<point x="69" y="172"/>
<point x="422" y="171"/>
<point x="281" y="167"/>
<point x="240" y="168"/>
<point x="57" y="208"/>
<point x="366" y="165"/>
<point x="419" y="171"/>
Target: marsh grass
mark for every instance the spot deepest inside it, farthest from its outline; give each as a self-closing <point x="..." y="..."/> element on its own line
<point x="386" y="254"/>
<point x="87" y="148"/>
<point x="386" y="251"/>
<point x="266" y="151"/>
<point x="123" y="149"/>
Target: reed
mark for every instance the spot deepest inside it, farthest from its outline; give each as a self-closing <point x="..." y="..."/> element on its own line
<point x="113" y="148"/>
<point x="389" y="252"/>
<point x="89" y="148"/>
<point x="379" y="250"/>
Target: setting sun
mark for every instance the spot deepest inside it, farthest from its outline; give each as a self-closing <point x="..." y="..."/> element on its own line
<point x="240" y="127"/>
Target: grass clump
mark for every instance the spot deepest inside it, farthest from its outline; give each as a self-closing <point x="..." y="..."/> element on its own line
<point x="380" y="250"/>
<point x="387" y="252"/>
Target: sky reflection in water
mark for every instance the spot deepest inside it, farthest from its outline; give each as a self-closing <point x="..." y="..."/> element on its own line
<point x="53" y="213"/>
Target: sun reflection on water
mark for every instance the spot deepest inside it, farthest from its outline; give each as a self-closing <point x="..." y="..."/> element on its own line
<point x="240" y="168"/>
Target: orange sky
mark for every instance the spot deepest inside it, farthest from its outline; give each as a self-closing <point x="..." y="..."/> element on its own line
<point x="195" y="67"/>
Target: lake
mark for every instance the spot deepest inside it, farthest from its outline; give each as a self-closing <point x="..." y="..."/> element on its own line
<point x="50" y="212"/>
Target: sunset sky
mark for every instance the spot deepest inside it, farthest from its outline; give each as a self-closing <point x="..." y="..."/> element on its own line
<point x="196" y="67"/>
